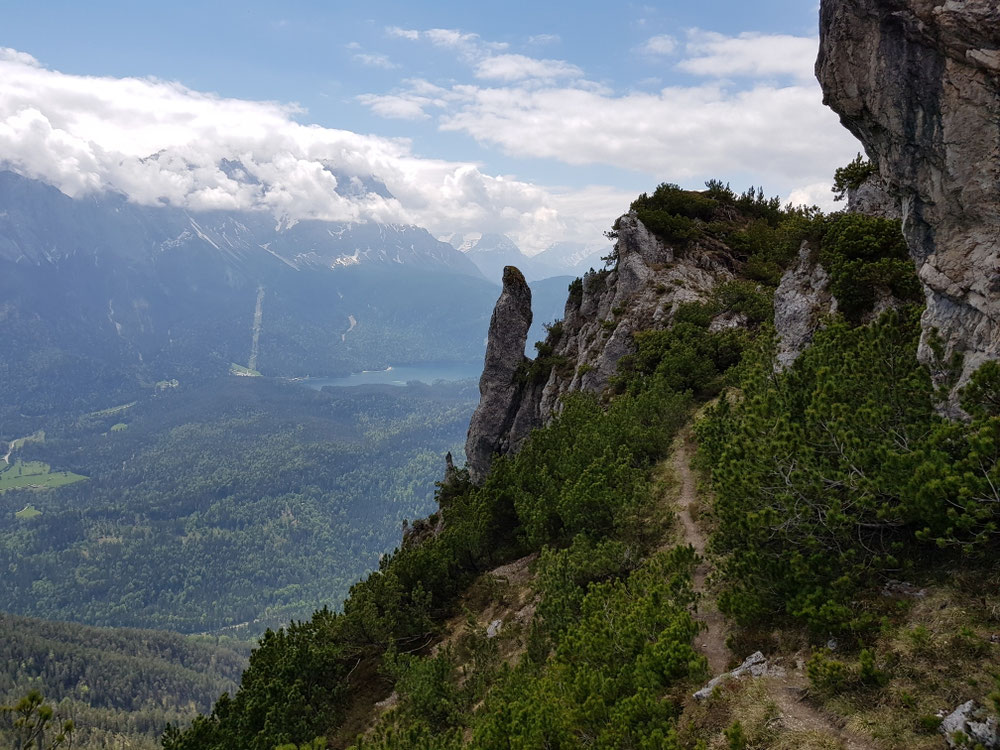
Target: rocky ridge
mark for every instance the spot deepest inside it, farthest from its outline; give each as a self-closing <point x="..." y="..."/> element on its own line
<point x="918" y="82"/>
<point x="650" y="281"/>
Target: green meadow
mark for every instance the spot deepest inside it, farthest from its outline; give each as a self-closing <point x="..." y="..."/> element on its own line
<point x="34" y="475"/>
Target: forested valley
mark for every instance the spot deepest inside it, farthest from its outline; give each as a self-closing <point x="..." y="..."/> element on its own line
<point x="119" y="686"/>
<point x="221" y="510"/>
<point x="240" y="505"/>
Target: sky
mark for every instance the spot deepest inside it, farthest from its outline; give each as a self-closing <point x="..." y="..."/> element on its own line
<point x="541" y="120"/>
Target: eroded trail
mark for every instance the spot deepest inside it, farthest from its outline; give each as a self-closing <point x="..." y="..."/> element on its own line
<point x="712" y="640"/>
<point x="788" y="689"/>
<point x="801" y="719"/>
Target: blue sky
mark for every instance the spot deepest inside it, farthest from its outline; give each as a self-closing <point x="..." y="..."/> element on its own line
<point x="538" y="119"/>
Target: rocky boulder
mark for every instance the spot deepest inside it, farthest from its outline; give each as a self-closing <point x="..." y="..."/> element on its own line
<point x="971" y="725"/>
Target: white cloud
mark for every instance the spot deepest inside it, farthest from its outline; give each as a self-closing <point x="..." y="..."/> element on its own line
<point x="160" y="142"/>
<point x="544" y="39"/>
<point x="519" y="67"/>
<point x="397" y="106"/>
<point x="749" y="54"/>
<point x="775" y="132"/>
<point x="781" y="135"/>
<point x="817" y="194"/>
<point x="412" y="102"/>
<point x="375" y="61"/>
<point x="470" y="47"/>
<point x="663" y="44"/>
<point x="12" y="55"/>
<point x="396" y="31"/>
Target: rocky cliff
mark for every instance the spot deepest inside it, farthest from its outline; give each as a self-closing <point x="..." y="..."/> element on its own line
<point x="500" y="386"/>
<point x="918" y="81"/>
<point x="650" y="280"/>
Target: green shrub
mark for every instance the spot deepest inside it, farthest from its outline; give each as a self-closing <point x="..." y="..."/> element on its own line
<point x="827" y="676"/>
<point x="669" y="227"/>
<point x="852" y="176"/>
<point x="735" y="736"/>
<point x="609" y="677"/>
<point x="866" y="257"/>
<point x="671" y="199"/>
<point x="745" y="298"/>
<point x="808" y="470"/>
<point x="426" y="686"/>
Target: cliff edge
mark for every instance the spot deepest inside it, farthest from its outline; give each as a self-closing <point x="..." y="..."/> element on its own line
<point x="918" y="82"/>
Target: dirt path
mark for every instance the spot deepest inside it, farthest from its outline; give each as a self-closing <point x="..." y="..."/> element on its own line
<point x="788" y="691"/>
<point x="712" y="640"/>
<point x="789" y="695"/>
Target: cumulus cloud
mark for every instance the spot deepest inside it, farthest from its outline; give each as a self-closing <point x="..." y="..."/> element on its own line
<point x="758" y="114"/>
<point x="396" y="31"/>
<point x="681" y="132"/>
<point x="662" y="44"/>
<point x="817" y="194"/>
<point x="375" y="61"/>
<point x="12" y="55"/>
<point x="749" y="54"/>
<point x="159" y="142"/>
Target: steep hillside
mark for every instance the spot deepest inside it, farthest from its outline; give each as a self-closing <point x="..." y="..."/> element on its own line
<point x="606" y="611"/>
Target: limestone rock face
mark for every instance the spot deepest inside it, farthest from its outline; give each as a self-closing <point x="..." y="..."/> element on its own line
<point x="801" y="301"/>
<point x="975" y="723"/>
<point x="873" y="198"/>
<point x="642" y="292"/>
<point x="499" y="386"/>
<point x="918" y="81"/>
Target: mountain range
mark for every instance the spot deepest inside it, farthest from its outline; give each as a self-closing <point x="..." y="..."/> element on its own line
<point x="491" y="252"/>
<point x="103" y="298"/>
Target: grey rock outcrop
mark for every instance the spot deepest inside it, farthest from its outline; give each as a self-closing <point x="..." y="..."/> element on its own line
<point x="801" y="301"/>
<point x="755" y="665"/>
<point x="651" y="280"/>
<point x="974" y="723"/>
<point x="499" y="386"/>
<point x="644" y="291"/>
<point x="872" y="197"/>
<point x="918" y="82"/>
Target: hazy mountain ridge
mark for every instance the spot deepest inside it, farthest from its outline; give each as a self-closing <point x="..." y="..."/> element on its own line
<point x="492" y="251"/>
<point x="107" y="224"/>
<point x="101" y="297"/>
